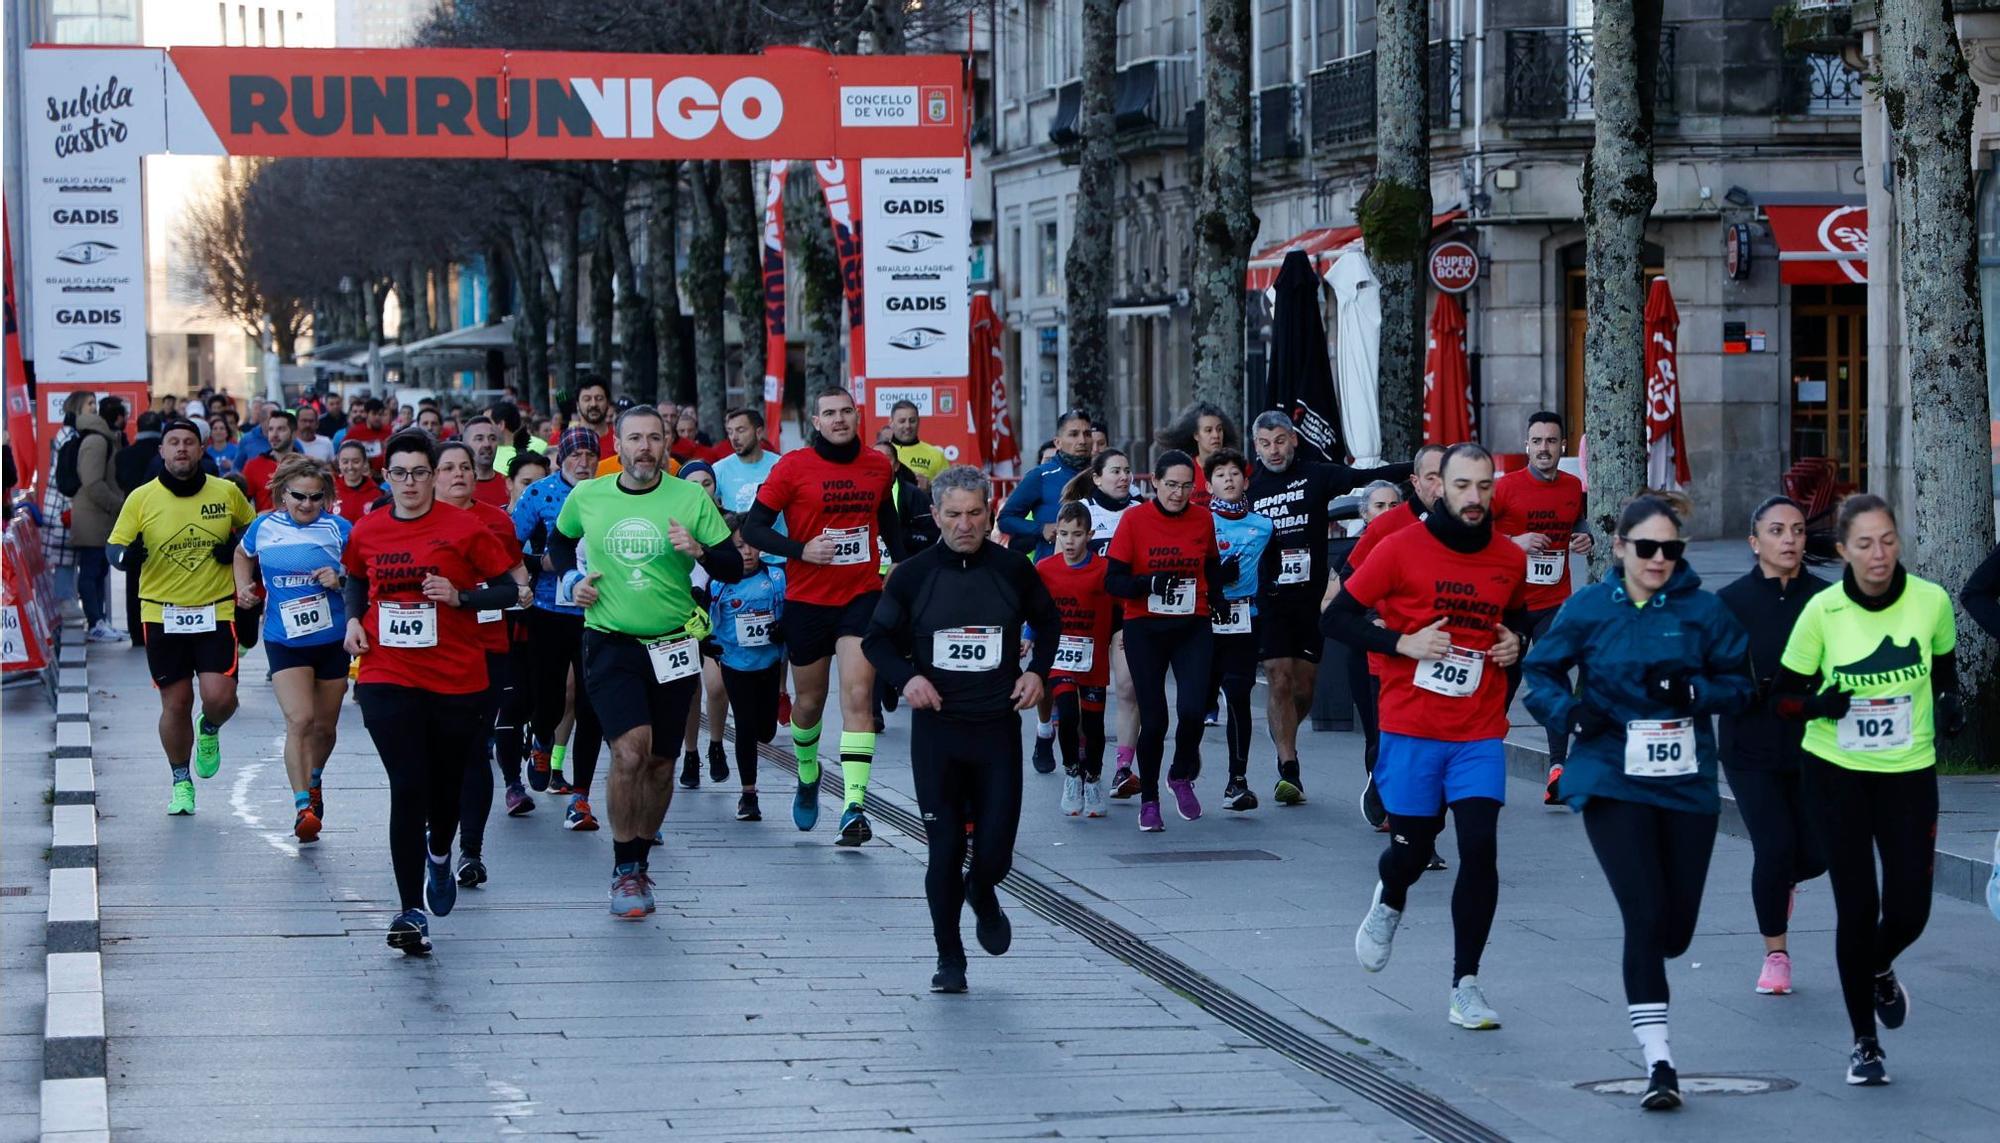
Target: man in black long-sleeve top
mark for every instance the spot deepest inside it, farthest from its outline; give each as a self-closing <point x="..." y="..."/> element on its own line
<point x="945" y="634"/>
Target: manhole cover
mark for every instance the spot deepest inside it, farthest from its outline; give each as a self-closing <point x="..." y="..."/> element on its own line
<point x="1696" y="1085"/>
<point x="1171" y="857"/>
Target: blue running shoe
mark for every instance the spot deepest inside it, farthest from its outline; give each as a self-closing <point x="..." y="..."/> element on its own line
<point x="411" y="933"/>
<point x="440" y="887"/>
<point x="805" y="806"/>
<point x="854" y="828"/>
<point x="631" y="891"/>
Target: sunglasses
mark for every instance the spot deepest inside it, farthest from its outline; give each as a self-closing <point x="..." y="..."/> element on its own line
<point x="1647" y="549"/>
<point x="305" y="497"/>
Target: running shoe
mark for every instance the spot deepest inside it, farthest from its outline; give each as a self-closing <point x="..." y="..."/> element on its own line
<point x="1663" y="1090"/>
<point x="1149" y="818"/>
<point x="471" y="872"/>
<point x="1372" y="810"/>
<point x="411" y="932"/>
<point x="559" y="785"/>
<point x="1212" y="718"/>
<point x="440" y="890"/>
<point x="317" y="801"/>
<point x="538" y="769"/>
<point x="1093" y="799"/>
<point x="1237" y="796"/>
<point x="1469" y="1008"/>
<point x="1435" y="863"/>
<point x="746" y="808"/>
<point x="579" y="817"/>
<point x="996" y="932"/>
<point x="207" y="750"/>
<point x="631" y="891"/>
<point x="1291" y="790"/>
<point x="854" y="828"/>
<point x="1376" y="937"/>
<point x="1776" y="979"/>
<point x="1124" y="783"/>
<point x="103" y="632"/>
<point x="519" y="803"/>
<point x="182" y="803"/>
<point x="1185" y="803"/>
<point x="950" y="975"/>
<point x="1868" y="1066"/>
<point x="1892" y="1000"/>
<point x="1072" y="795"/>
<point x="805" y="805"/>
<point x="306" y="827"/>
<point x="718" y="763"/>
<point x="691" y="771"/>
<point x="1554" y="801"/>
<point x="1045" y="755"/>
<point x="784" y="708"/>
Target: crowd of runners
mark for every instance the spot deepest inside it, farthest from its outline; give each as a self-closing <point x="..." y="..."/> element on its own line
<point x="527" y="598"/>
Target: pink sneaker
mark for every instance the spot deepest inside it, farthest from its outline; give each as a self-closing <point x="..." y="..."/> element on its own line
<point x="1776" y="979"/>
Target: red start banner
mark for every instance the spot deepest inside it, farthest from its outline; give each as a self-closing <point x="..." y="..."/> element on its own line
<point x="493" y="104"/>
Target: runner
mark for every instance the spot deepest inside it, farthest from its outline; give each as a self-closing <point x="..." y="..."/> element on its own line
<point x="418" y="573"/>
<point x="1541" y="508"/>
<point x="179" y="532"/>
<point x="1761" y="754"/>
<point x="642" y="535"/>
<point x="747" y="617"/>
<point x="371" y="432"/>
<point x="259" y="469"/>
<point x="1164" y="565"/>
<point x="1074" y="577"/>
<point x="1200" y="430"/>
<point x="1441" y="707"/>
<point x="593" y="412"/>
<point x="926" y="460"/>
<point x="1657" y="656"/>
<point x="308" y="439"/>
<point x="945" y="634"/>
<point x="738" y="476"/>
<point x="1243" y="538"/>
<point x="1293" y="494"/>
<point x="1030" y="513"/>
<point x="837" y="493"/>
<point x="702" y="476"/>
<point x="289" y="564"/>
<point x="482" y="436"/>
<point x="523" y="472"/>
<point x="354" y="485"/>
<point x="1884" y="644"/>
<point x="1106" y="490"/>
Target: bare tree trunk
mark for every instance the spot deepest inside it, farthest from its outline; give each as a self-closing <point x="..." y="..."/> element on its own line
<point x="809" y="234"/>
<point x="1618" y="195"/>
<point x="406" y="324"/>
<point x="1395" y="215"/>
<point x="1224" y="223"/>
<point x="378" y="293"/>
<point x="1087" y="269"/>
<point x="743" y="214"/>
<point x="707" y="282"/>
<point x="635" y="319"/>
<point x="531" y="310"/>
<point x="601" y="301"/>
<point x="567" y="292"/>
<point x="1930" y="101"/>
<point x="662" y="233"/>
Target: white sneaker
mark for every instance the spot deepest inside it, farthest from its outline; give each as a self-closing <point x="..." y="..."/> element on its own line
<point x="104" y="632"/>
<point x="1372" y="941"/>
<point x="1093" y="799"/>
<point x="1469" y="1008"/>
<point x="1072" y="795"/>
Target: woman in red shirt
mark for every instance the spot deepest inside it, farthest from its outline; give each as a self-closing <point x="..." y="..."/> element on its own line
<point x="354" y="487"/>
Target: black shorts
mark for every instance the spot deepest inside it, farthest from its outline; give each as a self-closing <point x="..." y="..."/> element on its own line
<point x="178" y="658"/>
<point x="327" y="660"/>
<point x="1088" y="697"/>
<point x="618" y="676"/>
<point x="1290" y="627"/>
<point x="811" y="630"/>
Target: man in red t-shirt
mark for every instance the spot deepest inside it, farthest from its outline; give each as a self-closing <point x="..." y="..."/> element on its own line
<point x="482" y="435"/>
<point x="835" y="501"/>
<point x="279" y="426"/>
<point x="372" y="431"/>
<point x="1541" y="508"/>
<point x="1443" y="592"/>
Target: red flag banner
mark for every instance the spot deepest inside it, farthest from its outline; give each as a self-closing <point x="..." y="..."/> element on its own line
<point x="1448" y="416"/>
<point x="989" y="385"/>
<point x="774" y="299"/>
<point x="1666" y="444"/>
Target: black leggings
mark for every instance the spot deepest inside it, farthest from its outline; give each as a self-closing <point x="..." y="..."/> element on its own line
<point x="1656" y="860"/>
<point x="1476" y="893"/>
<point x="558" y="641"/>
<point x="517" y="707"/>
<point x="965" y="771"/>
<point x="1080" y="729"/>
<point x="475" y="801"/>
<point x="1234" y="668"/>
<point x="1366" y="688"/>
<point x="1534" y="625"/>
<point x="426" y="741"/>
<point x="1151" y="647"/>
<point x="1858" y="814"/>
<point x="753" y="703"/>
<point x="1782" y="842"/>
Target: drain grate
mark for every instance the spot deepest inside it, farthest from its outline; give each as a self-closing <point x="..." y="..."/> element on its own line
<point x="1186" y="856"/>
<point x="1413" y="1105"/>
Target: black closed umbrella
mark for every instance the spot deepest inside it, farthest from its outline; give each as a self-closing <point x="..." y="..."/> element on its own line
<point x="1299" y="382"/>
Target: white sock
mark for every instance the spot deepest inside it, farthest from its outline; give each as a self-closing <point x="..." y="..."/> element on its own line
<point x="1649" y="1024"/>
<point x="1044" y="729"/>
<point x="444" y="859"/>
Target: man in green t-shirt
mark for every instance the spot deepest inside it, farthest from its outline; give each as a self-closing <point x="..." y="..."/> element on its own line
<point x="642" y="532"/>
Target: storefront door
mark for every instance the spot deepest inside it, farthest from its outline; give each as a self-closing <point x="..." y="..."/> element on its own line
<point x="1830" y="378"/>
<point x="1575" y="320"/>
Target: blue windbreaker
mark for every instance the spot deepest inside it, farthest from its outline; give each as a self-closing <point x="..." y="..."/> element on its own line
<point x="534" y="522"/>
<point x="1037" y="500"/>
<point x="1247" y="538"/>
<point x="763" y="591"/>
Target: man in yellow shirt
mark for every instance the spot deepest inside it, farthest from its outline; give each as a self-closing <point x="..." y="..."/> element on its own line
<point x="926" y="460"/>
<point x="180" y="531"/>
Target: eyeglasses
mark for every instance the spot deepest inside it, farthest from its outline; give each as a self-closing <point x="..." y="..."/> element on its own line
<point x="1647" y="549"/>
<point x="407" y="475"/>
<point x="305" y="497"/>
<point x="1175" y="485"/>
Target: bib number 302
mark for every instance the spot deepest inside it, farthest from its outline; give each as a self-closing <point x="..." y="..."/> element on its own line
<point x="187" y="620"/>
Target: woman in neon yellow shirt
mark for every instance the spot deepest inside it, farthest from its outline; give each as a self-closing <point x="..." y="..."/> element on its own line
<point x="1870" y="668"/>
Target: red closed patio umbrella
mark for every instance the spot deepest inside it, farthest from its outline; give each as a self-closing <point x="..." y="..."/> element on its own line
<point x="1448" y="417"/>
<point x="1666" y="444"/>
<point x="992" y="420"/>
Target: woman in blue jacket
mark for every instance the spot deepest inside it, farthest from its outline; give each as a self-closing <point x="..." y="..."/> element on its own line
<point x="1655" y="657"/>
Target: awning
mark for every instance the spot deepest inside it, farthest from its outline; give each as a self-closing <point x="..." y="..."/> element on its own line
<point x="1822" y="245"/>
<point x="1322" y="244"/>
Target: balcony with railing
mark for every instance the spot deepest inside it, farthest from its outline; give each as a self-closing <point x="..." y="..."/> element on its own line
<point x="1820" y="84"/>
<point x="1149" y="105"/>
<point x="1343" y="96"/>
<point x="1552" y="75"/>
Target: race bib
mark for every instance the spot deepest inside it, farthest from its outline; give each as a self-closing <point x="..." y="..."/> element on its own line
<point x="407" y="624"/>
<point x="1454" y="676"/>
<point x="1179" y="600"/>
<point x="674" y="658"/>
<point x="1659" y="748"/>
<point x="753" y="629"/>
<point x="489" y="616"/>
<point x="1294" y="565"/>
<point x="966" y="649"/>
<point x="1546" y="568"/>
<point x="308" y="616"/>
<point x="850" y="546"/>
<point x="187" y="620"/>
<point x="371" y="449"/>
<point x="1876" y="724"/>
<point x="1075" y="654"/>
<point x="1235" y="621"/>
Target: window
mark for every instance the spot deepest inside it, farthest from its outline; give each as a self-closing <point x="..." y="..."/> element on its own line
<point x="1016" y="273"/>
<point x="262" y="37"/>
<point x="1055" y="61"/>
<point x="281" y="27"/>
<point x="1048" y="258"/>
<point x="222" y="18"/>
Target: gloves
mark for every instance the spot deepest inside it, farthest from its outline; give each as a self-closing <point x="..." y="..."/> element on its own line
<point x="1671" y="687"/>
<point x="1949" y="713"/>
<point x="224" y="551"/>
<point x="1828" y="704"/>
<point x="1162" y="583"/>
<point x="135" y="554"/>
<point x="1218" y="609"/>
<point x="1231" y="569"/>
<point x="1587" y="722"/>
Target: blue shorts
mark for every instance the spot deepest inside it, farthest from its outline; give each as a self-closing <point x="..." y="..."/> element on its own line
<point x="1419" y="777"/>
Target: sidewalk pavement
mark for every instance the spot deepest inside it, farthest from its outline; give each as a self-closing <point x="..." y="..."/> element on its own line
<point x="27" y="774"/>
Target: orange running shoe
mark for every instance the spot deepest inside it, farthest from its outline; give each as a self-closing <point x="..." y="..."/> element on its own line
<point x="306" y="829"/>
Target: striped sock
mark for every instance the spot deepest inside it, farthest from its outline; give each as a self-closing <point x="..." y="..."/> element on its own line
<point x="301" y="800"/>
<point x="857" y="760"/>
<point x="1649" y="1024"/>
<point x="805" y="747"/>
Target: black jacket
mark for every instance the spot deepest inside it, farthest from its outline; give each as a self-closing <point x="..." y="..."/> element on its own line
<point x="938" y="589"/>
<point x="1757" y="739"/>
<point x="1982" y="594"/>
